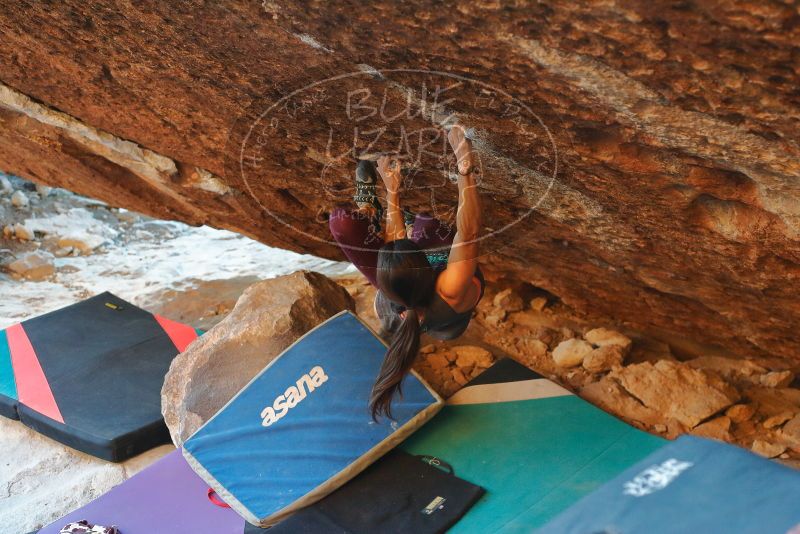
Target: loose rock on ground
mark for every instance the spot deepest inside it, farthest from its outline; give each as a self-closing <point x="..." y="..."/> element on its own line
<point x="19" y="200"/>
<point x="34" y="266"/>
<point x="679" y="392"/>
<point x="571" y="352"/>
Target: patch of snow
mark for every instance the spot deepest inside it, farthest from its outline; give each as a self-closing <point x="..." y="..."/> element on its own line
<point x="166" y="257"/>
<point x="74" y="221"/>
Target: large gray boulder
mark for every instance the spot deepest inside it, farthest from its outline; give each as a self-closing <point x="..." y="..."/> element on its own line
<point x="267" y="318"/>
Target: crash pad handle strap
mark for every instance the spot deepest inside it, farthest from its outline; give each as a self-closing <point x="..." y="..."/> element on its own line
<point x="214" y="498"/>
<point x="436" y="462"/>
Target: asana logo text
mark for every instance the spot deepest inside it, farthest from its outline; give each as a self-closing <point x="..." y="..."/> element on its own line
<point x="293" y="395"/>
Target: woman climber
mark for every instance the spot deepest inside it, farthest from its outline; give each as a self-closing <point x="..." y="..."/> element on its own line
<point x="427" y="276"/>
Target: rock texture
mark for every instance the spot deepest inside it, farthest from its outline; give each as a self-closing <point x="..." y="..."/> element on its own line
<point x="267" y="318"/>
<point x="671" y="130"/>
<point x="571" y="352"/>
<point x="638" y="379"/>
<point x="684" y="394"/>
<point x="604" y="358"/>
<point x="34" y="265"/>
<point x="450" y="368"/>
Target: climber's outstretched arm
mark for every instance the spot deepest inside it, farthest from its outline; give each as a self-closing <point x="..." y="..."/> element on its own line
<point x="458" y="284"/>
<point x="389" y="169"/>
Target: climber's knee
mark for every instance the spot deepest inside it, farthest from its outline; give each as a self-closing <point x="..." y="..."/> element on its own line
<point x="344" y="223"/>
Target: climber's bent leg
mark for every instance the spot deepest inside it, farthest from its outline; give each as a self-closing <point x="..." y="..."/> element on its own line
<point x="431" y="233"/>
<point x="358" y="237"/>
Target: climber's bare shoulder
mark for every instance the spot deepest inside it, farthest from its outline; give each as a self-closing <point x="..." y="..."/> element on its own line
<point x="458" y="286"/>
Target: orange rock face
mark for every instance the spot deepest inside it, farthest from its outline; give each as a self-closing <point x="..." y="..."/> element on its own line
<point x="639" y="159"/>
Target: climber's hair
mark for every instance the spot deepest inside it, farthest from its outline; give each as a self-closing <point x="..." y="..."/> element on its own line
<point x="406" y="278"/>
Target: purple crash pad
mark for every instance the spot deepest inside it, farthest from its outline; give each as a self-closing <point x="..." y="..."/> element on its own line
<point x="166" y="498"/>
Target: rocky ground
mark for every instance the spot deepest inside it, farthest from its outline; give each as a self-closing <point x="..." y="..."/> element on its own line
<point x="664" y="386"/>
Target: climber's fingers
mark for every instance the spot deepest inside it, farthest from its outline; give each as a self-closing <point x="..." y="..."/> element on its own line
<point x="462" y="148"/>
<point x="389" y="169"/>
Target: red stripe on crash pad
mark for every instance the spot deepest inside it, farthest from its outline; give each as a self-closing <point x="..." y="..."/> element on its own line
<point x="180" y="334"/>
<point x="32" y="387"/>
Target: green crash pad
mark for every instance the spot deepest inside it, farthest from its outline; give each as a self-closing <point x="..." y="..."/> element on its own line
<point x="8" y="387"/>
<point x="533" y="446"/>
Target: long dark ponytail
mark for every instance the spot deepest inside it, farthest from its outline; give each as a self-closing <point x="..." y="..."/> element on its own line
<point x="406" y="278"/>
